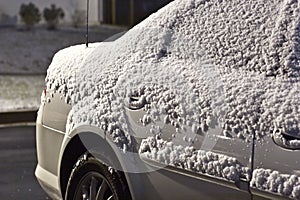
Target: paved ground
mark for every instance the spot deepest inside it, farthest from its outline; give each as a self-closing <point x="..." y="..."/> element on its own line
<point x="17" y="164"/>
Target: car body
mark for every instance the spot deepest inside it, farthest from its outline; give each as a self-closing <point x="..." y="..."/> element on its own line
<point x="199" y="101"/>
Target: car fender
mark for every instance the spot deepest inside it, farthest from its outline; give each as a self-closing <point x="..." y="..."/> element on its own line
<point x="124" y="159"/>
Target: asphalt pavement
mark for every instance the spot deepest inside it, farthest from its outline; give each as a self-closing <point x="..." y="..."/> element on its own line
<point x="17" y="164"/>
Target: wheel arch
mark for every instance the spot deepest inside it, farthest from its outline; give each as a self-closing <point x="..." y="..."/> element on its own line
<point x="69" y="157"/>
<point x="77" y="143"/>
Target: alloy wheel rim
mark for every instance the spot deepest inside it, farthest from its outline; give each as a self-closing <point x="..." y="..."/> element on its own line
<point x="94" y="186"/>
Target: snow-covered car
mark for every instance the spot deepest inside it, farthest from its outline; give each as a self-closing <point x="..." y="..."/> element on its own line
<point x="199" y="101"/>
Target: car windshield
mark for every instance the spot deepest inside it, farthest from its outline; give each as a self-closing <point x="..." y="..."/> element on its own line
<point x="115" y="37"/>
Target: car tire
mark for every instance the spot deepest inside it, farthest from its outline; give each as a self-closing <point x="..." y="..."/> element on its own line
<point x="91" y="178"/>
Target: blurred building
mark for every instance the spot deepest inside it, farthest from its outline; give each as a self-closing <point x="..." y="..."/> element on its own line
<point x="127" y="12"/>
<point x="115" y="12"/>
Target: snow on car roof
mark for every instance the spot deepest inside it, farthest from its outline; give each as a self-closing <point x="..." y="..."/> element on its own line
<point x="199" y="62"/>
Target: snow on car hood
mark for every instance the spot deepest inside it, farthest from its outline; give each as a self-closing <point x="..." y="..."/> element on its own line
<point x="199" y="62"/>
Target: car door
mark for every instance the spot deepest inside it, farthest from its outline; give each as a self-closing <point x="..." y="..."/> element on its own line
<point x="276" y="170"/>
<point x="197" y="160"/>
<point x="276" y="173"/>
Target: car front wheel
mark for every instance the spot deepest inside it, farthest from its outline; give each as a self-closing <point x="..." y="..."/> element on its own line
<point x="90" y="179"/>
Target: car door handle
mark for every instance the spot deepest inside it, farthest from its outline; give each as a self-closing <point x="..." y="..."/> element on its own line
<point x="135" y="103"/>
<point x="286" y="141"/>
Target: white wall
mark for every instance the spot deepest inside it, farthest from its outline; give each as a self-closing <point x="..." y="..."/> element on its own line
<point x="93" y="9"/>
<point x="12" y="7"/>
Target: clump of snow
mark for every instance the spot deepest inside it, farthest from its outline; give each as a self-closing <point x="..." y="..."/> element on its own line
<point x="275" y="182"/>
<point x="198" y="63"/>
<point x="194" y="160"/>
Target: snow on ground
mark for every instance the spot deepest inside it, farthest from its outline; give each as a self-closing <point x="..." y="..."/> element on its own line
<point x="30" y="52"/>
<point x="20" y="92"/>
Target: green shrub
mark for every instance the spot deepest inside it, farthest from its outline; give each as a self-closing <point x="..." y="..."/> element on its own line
<point x="30" y="14"/>
<point x="52" y="16"/>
